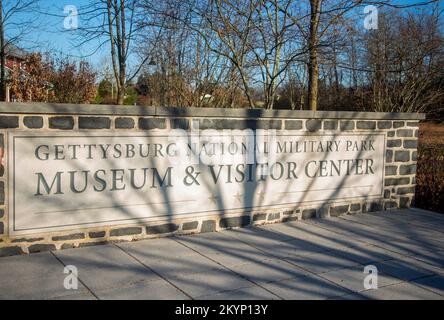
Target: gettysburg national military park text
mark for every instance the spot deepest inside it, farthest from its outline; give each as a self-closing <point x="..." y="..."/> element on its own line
<point x="225" y="160"/>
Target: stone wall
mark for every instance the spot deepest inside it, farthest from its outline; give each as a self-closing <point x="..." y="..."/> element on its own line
<point x="401" y="132"/>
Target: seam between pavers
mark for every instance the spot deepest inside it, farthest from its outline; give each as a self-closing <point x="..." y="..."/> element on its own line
<point x="360" y="264"/>
<point x="424" y="212"/>
<point x="328" y="250"/>
<point x="403" y="255"/>
<point x="400" y="236"/>
<point x="228" y="268"/>
<point x="426" y="288"/>
<point x="409" y="224"/>
<point x="357" y="264"/>
<point x="289" y="262"/>
<point x="422" y="226"/>
<point x="365" y="242"/>
<point x="409" y="282"/>
<point x="78" y="277"/>
<point x="153" y="271"/>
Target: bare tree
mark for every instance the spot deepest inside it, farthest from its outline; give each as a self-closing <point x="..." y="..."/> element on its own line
<point x="110" y="24"/>
<point x="15" y="23"/>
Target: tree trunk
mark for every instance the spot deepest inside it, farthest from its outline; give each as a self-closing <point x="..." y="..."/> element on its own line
<point x="120" y="95"/>
<point x="313" y="65"/>
<point x="2" y="56"/>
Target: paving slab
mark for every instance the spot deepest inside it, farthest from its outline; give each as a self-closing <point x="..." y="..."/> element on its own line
<point x="386" y="226"/>
<point x="76" y="296"/>
<point x="366" y="254"/>
<point x="360" y="229"/>
<point x="152" y="290"/>
<point x="265" y="231"/>
<point x="419" y="215"/>
<point x="269" y="271"/>
<point x="392" y="224"/>
<point x="105" y="266"/>
<point x="435" y="259"/>
<point x="200" y="284"/>
<point x="344" y="231"/>
<point x="30" y="266"/>
<point x="312" y="259"/>
<point x="156" y="249"/>
<point x="401" y="291"/>
<point x="213" y="242"/>
<point x="241" y="257"/>
<point x="399" y="244"/>
<point x="405" y="268"/>
<point x="250" y="293"/>
<point x="35" y="276"/>
<point x="302" y="230"/>
<point x="308" y="287"/>
<point x="353" y="278"/>
<point x="351" y="296"/>
<point x="306" y="233"/>
<point x="45" y="287"/>
<point x="321" y="262"/>
<point x="251" y="237"/>
<point x="171" y="267"/>
<point x="433" y="283"/>
<point x="286" y="249"/>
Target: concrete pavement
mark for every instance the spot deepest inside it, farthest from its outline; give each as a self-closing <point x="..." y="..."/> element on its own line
<point x="310" y="259"/>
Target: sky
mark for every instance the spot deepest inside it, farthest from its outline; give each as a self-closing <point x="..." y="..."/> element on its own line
<point x="49" y="33"/>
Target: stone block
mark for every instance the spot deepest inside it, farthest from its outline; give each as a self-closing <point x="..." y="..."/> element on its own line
<point x="293" y="124"/>
<point x="94" y="123"/>
<point x="402" y="156"/>
<point x="410" y="144"/>
<point x="180" y="123"/>
<point x="33" y="122"/>
<point x="308" y="214"/>
<point x="9" y="122"/>
<point x="391" y="170"/>
<point x="404" y="133"/>
<point x="74" y="236"/>
<point x="405" y="190"/>
<point x="125" y="231"/>
<point x="330" y="124"/>
<point x="208" y="226"/>
<point x="394" y="143"/>
<point x="367" y="125"/>
<point x="259" y="217"/>
<point x="407" y="169"/>
<point x="152" y="123"/>
<point x="383" y="124"/>
<point x="396" y="181"/>
<point x="338" y="210"/>
<point x="61" y="123"/>
<point x="190" y="225"/>
<point x="273" y="216"/>
<point x="346" y="125"/>
<point x="163" y="228"/>
<point x="124" y="123"/>
<point x="398" y="124"/>
<point x="313" y="125"/>
<point x="97" y="234"/>
<point x="10" y="251"/>
<point x="41" y="247"/>
<point x="234" y="222"/>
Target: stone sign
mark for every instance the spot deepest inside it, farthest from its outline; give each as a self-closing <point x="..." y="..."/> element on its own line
<point x="82" y="179"/>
